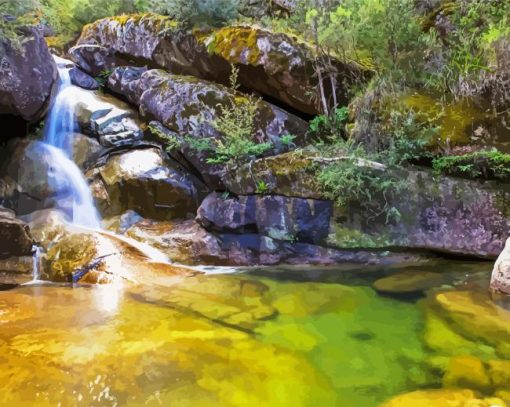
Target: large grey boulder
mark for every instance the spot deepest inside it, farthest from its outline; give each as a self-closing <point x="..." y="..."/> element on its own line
<point x="28" y="75"/>
<point x="278" y="217"/>
<point x="274" y="64"/>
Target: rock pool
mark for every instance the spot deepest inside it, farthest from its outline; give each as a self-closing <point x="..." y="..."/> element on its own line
<point x="300" y="336"/>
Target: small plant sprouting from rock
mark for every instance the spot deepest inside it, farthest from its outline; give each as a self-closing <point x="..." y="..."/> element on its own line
<point x="481" y="164"/>
<point x="102" y="78"/>
<point x="171" y="142"/>
<point x="262" y="188"/>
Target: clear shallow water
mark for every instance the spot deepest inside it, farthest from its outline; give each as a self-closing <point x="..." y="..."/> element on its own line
<point x="287" y="336"/>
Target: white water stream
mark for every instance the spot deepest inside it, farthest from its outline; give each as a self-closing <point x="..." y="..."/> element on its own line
<point x="74" y="196"/>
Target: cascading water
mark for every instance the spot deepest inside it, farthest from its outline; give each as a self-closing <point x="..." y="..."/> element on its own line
<point x="74" y="196"/>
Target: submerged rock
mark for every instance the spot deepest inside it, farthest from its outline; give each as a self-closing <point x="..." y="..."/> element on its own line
<point x="408" y="282"/>
<point x="476" y="317"/>
<point x="28" y="76"/>
<point x="443" y="398"/>
<point x="467" y="372"/>
<point x="274" y="64"/>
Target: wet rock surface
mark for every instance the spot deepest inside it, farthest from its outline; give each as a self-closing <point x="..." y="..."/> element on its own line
<point x="146" y="181"/>
<point x="15" y="238"/>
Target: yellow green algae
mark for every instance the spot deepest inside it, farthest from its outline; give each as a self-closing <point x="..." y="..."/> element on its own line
<point x="283" y="337"/>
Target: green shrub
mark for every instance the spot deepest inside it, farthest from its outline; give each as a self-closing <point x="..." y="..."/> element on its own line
<point x="329" y="128"/>
<point x="67" y="17"/>
<point x="236" y="124"/>
<point x="198" y="13"/>
<point x="15" y="14"/>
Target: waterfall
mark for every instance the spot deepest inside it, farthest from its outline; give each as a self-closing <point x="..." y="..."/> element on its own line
<point x="36" y="264"/>
<point x="74" y="197"/>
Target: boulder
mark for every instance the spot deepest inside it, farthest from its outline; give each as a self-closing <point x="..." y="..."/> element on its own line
<point x="74" y="254"/>
<point x="112" y="122"/>
<point x="28" y="77"/>
<point x="83" y="80"/>
<point x="274" y="64"/>
<point x="29" y="179"/>
<point x="146" y="181"/>
<point x="500" y="280"/>
<point x="183" y="242"/>
<point x="93" y="59"/>
<point x="443" y="214"/>
<point x="278" y="217"/>
<point x="188" y="106"/>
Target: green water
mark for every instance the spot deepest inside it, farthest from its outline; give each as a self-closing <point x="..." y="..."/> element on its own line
<point x="268" y="337"/>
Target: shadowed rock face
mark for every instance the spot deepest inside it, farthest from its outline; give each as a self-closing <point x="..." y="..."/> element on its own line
<point x="273" y="64"/>
<point x="188" y="106"/>
<point x="15" y="239"/>
<point x="26" y="88"/>
<point x="279" y="217"/>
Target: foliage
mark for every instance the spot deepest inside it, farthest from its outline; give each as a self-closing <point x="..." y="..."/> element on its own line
<point x="13" y="15"/>
<point x="469" y="34"/>
<point x="102" y="78"/>
<point x="236" y="124"/>
<point x="287" y="140"/>
<point x="67" y="17"/>
<point x="329" y="127"/>
<point x="372" y="178"/>
<point x="171" y="142"/>
<point x="480" y="164"/>
<point x="198" y="13"/>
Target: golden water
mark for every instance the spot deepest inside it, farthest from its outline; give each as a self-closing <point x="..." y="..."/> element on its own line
<point x="294" y="337"/>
